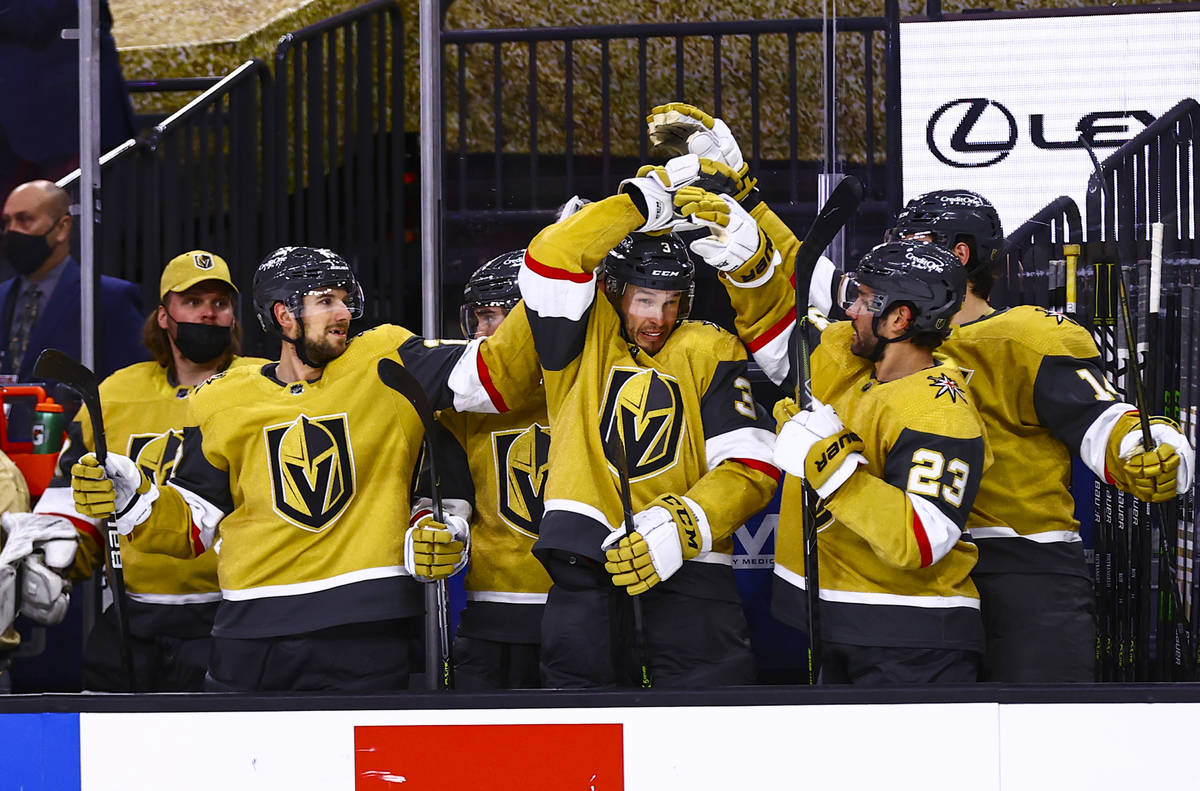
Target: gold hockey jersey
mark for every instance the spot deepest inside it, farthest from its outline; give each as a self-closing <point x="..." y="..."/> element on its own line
<point x="507" y="469"/>
<point x="303" y="487"/>
<point x="144" y="418"/>
<point x="1036" y="379"/>
<point x="685" y="415"/>
<point x="895" y="564"/>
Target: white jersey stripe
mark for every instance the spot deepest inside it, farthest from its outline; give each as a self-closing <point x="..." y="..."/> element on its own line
<point x="879" y="599"/>
<point x="313" y="586"/>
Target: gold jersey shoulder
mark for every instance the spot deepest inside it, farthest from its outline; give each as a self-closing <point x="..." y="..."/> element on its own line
<point x="936" y="401"/>
<point x="1042" y="332"/>
<point x="370" y="345"/>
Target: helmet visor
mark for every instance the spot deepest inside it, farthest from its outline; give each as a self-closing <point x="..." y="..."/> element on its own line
<point x="480" y="320"/>
<point x="328" y="300"/>
<point x="851" y="292"/>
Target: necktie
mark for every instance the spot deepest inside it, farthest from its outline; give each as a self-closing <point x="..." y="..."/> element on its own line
<point x="22" y="327"/>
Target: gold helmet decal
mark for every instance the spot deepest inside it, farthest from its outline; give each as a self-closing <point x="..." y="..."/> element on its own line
<point x="312" y="470"/>
<point x="522" y="459"/>
<point x="644" y="408"/>
<point x="156" y="454"/>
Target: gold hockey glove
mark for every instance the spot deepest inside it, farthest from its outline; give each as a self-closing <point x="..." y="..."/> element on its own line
<point x="735" y="243"/>
<point x="671" y="530"/>
<point x="436" y="550"/>
<point x="814" y="445"/>
<point x="679" y="128"/>
<point x="1156" y="475"/>
<point x="118" y="491"/>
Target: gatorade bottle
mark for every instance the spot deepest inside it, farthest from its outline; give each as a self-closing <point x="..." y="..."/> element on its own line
<point x="48" y="424"/>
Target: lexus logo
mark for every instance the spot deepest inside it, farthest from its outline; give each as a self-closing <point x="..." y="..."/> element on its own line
<point x="977" y="133"/>
<point x="971" y="133"/>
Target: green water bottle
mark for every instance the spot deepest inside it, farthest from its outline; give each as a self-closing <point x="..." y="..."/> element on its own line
<point x="48" y="423"/>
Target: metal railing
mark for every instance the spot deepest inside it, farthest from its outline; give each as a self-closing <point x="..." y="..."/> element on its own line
<point x="341" y="156"/>
<point x="1030" y="272"/>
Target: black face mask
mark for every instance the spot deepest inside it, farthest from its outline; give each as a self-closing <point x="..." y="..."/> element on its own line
<point x="202" y="343"/>
<point x="25" y="252"/>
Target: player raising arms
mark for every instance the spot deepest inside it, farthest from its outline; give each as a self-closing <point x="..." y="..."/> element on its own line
<point x="1037" y="381"/>
<point x="506" y="457"/>
<point x="608" y="305"/>
<point x="301" y="469"/>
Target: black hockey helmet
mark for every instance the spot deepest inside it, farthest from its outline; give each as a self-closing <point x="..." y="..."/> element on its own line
<point x="950" y="216"/>
<point x="658" y="262"/>
<point x="492" y="285"/>
<point x="289" y="273"/>
<point x="926" y="277"/>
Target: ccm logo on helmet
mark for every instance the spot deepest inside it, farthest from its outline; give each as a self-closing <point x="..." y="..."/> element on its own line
<point x="979" y="132"/>
<point x="835" y="448"/>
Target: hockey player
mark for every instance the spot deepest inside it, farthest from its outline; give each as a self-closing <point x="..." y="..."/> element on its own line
<point x="506" y="467"/>
<point x="608" y="305"/>
<point x="895" y="480"/>
<point x="192" y="334"/>
<point x="302" y="469"/>
<point x="1036" y="378"/>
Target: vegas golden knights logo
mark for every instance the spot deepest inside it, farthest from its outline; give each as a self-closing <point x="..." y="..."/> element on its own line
<point x="644" y="409"/>
<point x="522" y="461"/>
<point x="312" y="469"/>
<point x="156" y="454"/>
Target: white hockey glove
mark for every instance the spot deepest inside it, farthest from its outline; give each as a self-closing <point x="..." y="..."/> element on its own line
<point x="649" y="193"/>
<point x="706" y="136"/>
<point x="571" y="207"/>
<point x="735" y="242"/>
<point x="120" y="491"/>
<point x="37" y="551"/>
<point x="671" y="530"/>
<point x="436" y="550"/>
<point x="1153" y="476"/>
<point x="815" y="446"/>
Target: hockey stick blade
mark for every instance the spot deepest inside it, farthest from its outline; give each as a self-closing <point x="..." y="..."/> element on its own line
<point x="842" y="204"/>
<point x="438" y="662"/>
<point x="53" y="364"/>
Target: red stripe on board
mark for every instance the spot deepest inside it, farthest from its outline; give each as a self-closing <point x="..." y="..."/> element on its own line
<point x="770" y="335"/>
<point x="588" y="757"/>
<point x="550" y="272"/>
<point x="761" y="466"/>
<point x="485" y="377"/>
<point x="922" y="540"/>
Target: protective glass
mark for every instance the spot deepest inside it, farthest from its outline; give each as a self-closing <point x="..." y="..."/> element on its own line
<point x="906" y="235"/>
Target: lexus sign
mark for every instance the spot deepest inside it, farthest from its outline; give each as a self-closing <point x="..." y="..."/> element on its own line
<point x="1001" y="106"/>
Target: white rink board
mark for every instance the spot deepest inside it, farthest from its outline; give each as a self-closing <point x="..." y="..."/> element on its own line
<point x="665" y="749"/>
<point x="980" y="746"/>
<point x="1063" y="69"/>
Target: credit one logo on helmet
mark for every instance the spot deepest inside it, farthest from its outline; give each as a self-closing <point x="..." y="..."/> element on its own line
<point x="980" y="132"/>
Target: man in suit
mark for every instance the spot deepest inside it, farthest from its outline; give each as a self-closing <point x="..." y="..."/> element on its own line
<point x="39" y="309"/>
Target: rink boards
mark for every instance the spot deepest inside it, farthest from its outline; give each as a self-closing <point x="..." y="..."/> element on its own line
<point x="767" y="737"/>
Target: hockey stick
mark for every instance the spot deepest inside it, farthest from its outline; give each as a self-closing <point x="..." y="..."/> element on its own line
<point x="842" y="204"/>
<point x="53" y="364"/>
<point x="616" y="451"/>
<point x="1182" y="634"/>
<point x="438" y="665"/>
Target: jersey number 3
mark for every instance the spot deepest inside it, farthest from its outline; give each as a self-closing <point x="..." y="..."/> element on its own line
<point x="925" y="477"/>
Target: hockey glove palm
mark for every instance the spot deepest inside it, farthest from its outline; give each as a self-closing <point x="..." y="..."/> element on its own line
<point x="815" y="446"/>
<point x="649" y="194"/>
<point x="119" y="491"/>
<point x="666" y="533"/>
<point x="436" y="550"/>
<point x="1155" y="475"/>
<point x="677" y="127"/>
